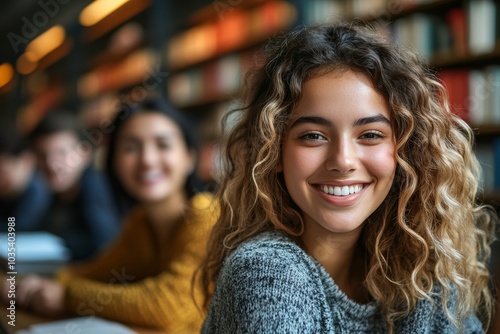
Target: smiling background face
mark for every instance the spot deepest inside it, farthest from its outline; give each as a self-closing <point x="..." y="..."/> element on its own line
<point x="61" y="160"/>
<point x="152" y="159"/>
<point x="339" y="141"/>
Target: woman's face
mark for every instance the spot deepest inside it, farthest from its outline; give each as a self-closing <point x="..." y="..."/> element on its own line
<point x="338" y="157"/>
<point x="152" y="160"/>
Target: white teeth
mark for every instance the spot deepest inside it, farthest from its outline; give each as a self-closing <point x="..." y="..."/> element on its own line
<point x="150" y="176"/>
<point x="341" y="191"/>
<point x="345" y="190"/>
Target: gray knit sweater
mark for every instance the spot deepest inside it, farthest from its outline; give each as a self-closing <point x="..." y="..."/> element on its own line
<point x="270" y="285"/>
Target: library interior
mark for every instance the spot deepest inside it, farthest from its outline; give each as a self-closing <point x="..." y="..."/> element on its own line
<point x="69" y="67"/>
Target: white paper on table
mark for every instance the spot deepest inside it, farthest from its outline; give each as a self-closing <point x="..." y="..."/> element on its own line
<point x="80" y="325"/>
<point x="35" y="246"/>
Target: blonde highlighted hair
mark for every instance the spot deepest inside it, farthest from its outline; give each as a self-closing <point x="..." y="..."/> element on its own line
<point x="428" y="231"/>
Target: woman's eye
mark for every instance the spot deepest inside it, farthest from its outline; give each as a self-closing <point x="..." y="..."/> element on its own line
<point x="164" y="145"/>
<point x="313" y="136"/>
<point x="372" y="135"/>
<point x="130" y="148"/>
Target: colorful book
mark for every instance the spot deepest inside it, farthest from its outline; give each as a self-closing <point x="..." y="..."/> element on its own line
<point x="456" y="82"/>
<point x="457" y="22"/>
<point x="482" y="26"/>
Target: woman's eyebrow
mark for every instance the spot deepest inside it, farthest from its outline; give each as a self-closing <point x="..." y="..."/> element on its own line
<point x="160" y="135"/>
<point x="311" y="119"/>
<point x="323" y="121"/>
<point x="372" y="119"/>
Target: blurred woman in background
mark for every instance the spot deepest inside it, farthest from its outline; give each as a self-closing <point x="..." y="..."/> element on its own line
<point x="145" y="277"/>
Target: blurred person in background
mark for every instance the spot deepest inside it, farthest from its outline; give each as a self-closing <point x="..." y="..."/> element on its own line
<point x="23" y="195"/>
<point x="82" y="211"/>
<point x="146" y="277"/>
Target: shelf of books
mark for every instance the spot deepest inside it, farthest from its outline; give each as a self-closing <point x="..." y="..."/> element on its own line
<point x="207" y="61"/>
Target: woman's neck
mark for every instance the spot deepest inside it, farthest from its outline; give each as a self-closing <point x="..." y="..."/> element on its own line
<point x="343" y="258"/>
<point x="163" y="214"/>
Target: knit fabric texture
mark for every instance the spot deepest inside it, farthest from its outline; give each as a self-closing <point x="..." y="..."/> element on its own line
<point x="270" y="285"/>
<point x="142" y="282"/>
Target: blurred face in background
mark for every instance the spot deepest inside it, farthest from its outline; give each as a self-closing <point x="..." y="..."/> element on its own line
<point x="15" y="173"/>
<point x="61" y="160"/>
<point x="152" y="160"/>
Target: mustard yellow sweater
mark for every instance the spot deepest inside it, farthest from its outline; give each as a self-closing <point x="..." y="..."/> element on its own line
<point x="139" y="282"/>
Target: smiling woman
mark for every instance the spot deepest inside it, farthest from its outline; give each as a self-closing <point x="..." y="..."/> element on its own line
<point x="338" y="162"/>
<point x="339" y="138"/>
<point x="348" y="200"/>
<point x="152" y="159"/>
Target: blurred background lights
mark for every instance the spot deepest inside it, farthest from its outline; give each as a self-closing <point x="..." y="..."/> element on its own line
<point x="98" y="10"/>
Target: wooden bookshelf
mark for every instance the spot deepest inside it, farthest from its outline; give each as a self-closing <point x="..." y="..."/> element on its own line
<point x="238" y="30"/>
<point x="207" y="60"/>
<point x="467" y="60"/>
<point x="487" y="130"/>
<point x="394" y="11"/>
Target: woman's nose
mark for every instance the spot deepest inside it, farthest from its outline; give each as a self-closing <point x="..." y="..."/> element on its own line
<point x="148" y="155"/>
<point x="342" y="156"/>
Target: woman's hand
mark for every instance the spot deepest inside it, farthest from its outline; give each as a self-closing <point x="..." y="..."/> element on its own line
<point x="41" y="295"/>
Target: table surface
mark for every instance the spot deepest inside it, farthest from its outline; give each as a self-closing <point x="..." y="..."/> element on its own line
<point x="25" y="319"/>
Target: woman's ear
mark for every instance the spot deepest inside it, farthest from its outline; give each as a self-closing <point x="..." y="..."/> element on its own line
<point x="279" y="167"/>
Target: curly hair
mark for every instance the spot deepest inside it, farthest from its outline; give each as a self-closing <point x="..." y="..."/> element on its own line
<point x="429" y="230"/>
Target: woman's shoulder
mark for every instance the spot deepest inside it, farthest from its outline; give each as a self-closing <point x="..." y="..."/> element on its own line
<point x="202" y="200"/>
<point x="430" y="314"/>
<point x="265" y="286"/>
<point x="204" y="204"/>
<point x="270" y="265"/>
<point x="270" y="253"/>
<point x="200" y="216"/>
<point x="274" y="242"/>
